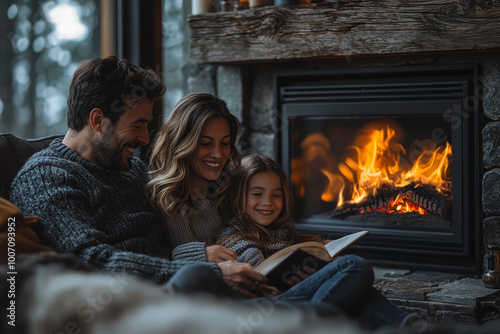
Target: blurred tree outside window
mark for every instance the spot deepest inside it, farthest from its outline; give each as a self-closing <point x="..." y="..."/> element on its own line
<point x="42" y="44"/>
<point x="175" y="31"/>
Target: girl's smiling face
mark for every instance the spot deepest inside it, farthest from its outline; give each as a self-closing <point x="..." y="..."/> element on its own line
<point x="264" y="199"/>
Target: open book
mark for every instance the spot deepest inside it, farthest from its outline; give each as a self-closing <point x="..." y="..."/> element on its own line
<point x="279" y="267"/>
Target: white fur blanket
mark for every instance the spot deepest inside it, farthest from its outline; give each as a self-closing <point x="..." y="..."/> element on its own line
<point x="79" y="302"/>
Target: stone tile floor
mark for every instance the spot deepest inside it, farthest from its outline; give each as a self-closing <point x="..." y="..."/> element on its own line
<point x="440" y="298"/>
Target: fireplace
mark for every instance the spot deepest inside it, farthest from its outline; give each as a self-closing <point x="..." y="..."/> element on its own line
<point x="390" y="150"/>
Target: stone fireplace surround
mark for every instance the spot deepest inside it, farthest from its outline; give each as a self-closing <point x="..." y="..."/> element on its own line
<point x="247" y="86"/>
<point x="229" y="49"/>
<point x="248" y="89"/>
<point x="441" y="298"/>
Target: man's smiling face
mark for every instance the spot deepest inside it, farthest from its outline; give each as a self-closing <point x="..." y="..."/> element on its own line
<point x="115" y="148"/>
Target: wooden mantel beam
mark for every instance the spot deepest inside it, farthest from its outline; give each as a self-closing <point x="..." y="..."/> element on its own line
<point x="345" y="28"/>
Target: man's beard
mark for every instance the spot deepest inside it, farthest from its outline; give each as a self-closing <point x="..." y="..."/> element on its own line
<point x="107" y="155"/>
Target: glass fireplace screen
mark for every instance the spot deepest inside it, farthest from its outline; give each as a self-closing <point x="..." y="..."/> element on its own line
<point x="374" y="171"/>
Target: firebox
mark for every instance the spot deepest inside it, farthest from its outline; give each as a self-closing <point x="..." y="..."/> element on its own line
<point x="390" y="150"/>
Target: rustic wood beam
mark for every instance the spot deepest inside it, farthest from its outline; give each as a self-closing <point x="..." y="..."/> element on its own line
<point x="345" y="28"/>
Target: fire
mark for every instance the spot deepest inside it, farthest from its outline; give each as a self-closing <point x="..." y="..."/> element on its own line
<point x="335" y="186"/>
<point x="378" y="160"/>
<point x="402" y="204"/>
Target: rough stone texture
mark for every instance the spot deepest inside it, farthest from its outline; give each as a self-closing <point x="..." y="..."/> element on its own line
<point x="445" y="318"/>
<point x="405" y="289"/>
<point x="262" y="143"/>
<point x="491" y="88"/>
<point x="261" y="107"/>
<point x="491" y="192"/>
<point x="411" y="286"/>
<point x="439" y="313"/>
<point x="440" y="298"/>
<point x="200" y="78"/>
<point x="491" y="145"/>
<point x="488" y="307"/>
<point x="431" y="277"/>
<point x="464" y="291"/>
<point x="230" y="88"/>
<point x="428" y="278"/>
<point x="491" y="231"/>
<point x="434" y="306"/>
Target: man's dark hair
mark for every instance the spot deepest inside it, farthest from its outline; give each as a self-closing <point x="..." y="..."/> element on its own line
<point x="109" y="84"/>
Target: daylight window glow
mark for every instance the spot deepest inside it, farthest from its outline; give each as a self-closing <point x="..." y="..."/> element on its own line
<point x="67" y="22"/>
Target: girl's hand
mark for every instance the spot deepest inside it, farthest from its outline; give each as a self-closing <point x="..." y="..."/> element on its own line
<point x="216" y="253"/>
<point x="326" y="241"/>
<point x="301" y="275"/>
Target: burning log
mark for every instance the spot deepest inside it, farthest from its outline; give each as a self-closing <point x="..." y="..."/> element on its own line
<point x="430" y="198"/>
<point x="405" y="219"/>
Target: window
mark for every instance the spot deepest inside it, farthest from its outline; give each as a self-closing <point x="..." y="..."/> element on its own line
<point x="175" y="31"/>
<point x="44" y="44"/>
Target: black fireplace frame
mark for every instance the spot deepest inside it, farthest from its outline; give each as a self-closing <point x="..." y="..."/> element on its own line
<point x="457" y="251"/>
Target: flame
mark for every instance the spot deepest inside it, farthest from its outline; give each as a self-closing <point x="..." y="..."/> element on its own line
<point x="335" y="186"/>
<point x="430" y="167"/>
<point x="376" y="161"/>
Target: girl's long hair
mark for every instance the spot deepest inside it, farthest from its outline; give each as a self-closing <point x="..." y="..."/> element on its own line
<point x="169" y="187"/>
<point x="248" y="229"/>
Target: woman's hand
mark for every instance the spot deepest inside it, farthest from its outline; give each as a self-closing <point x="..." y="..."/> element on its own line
<point x="242" y="277"/>
<point x="216" y="253"/>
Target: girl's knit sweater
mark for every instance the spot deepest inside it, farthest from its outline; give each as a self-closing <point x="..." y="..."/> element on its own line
<point x="250" y="251"/>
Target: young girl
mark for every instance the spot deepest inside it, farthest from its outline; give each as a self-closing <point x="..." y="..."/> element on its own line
<point x="262" y="206"/>
<point x="261" y="203"/>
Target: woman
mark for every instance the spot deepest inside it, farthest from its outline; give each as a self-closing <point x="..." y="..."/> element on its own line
<point x="193" y="159"/>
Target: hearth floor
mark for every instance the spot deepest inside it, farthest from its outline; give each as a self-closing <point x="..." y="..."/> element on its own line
<point x="440" y="298"/>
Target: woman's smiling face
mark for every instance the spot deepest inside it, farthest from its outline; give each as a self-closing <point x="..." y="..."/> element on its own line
<point x="212" y="153"/>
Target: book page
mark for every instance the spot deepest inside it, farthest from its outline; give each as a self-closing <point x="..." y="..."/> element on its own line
<point x="312" y="247"/>
<point x="336" y="246"/>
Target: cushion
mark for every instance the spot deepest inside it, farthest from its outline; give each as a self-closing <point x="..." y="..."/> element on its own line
<point x="14" y="152"/>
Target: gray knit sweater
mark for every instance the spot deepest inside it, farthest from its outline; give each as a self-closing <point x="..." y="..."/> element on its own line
<point x="98" y="214"/>
<point x="202" y="225"/>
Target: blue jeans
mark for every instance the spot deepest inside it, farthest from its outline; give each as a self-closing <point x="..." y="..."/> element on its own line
<point x="200" y="278"/>
<point x="344" y="284"/>
<point x="347" y="283"/>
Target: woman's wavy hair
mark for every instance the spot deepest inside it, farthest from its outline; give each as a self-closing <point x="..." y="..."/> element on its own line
<point x="169" y="187"/>
<point x="247" y="228"/>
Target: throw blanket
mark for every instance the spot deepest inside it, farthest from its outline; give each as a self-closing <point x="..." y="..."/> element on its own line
<point x="17" y="232"/>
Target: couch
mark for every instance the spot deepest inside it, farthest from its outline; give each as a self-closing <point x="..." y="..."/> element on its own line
<point x="14" y="152"/>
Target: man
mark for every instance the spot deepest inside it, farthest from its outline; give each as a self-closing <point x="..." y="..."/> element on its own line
<point x="88" y="188"/>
